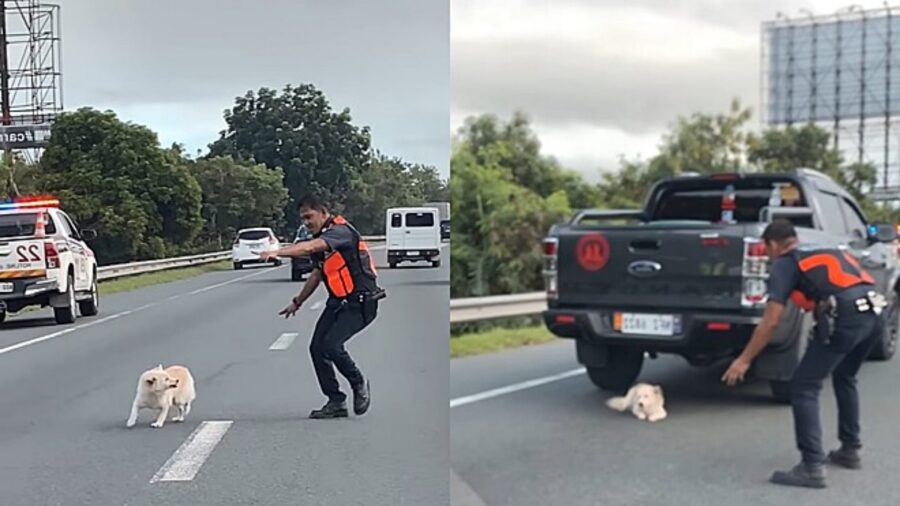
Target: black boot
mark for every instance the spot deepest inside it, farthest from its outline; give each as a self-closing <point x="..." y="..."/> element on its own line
<point x="331" y="409"/>
<point x="846" y="456"/>
<point x="361" y="398"/>
<point x="802" y="475"/>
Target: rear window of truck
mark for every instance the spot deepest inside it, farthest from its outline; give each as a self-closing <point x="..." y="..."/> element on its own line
<point x="419" y="220"/>
<point x="705" y="202"/>
<point x="23" y="224"/>
<point x="253" y="235"/>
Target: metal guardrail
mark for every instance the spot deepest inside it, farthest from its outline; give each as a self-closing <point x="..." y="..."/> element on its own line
<point x="471" y="309"/>
<point x="107" y="272"/>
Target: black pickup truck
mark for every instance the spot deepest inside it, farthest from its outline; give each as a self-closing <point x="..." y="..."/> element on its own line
<point x="687" y="274"/>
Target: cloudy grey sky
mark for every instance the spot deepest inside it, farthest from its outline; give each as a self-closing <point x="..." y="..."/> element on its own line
<point x="604" y="78"/>
<point x="176" y="65"/>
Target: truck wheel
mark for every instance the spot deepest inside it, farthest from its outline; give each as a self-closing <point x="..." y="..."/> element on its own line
<point x="887" y="345"/>
<point x="67" y="314"/>
<point x="781" y="390"/>
<point x="91" y="306"/>
<point x="2" y="316"/>
<point x="622" y="367"/>
<point x="238" y="266"/>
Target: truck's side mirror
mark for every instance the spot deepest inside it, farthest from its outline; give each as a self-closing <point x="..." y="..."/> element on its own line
<point x="882" y="233"/>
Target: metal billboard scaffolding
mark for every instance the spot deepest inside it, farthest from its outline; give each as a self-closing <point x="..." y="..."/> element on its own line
<point x="30" y="75"/>
<point x="842" y="72"/>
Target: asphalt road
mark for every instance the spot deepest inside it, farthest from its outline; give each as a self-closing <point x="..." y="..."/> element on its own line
<point x="65" y="399"/>
<point x="557" y="443"/>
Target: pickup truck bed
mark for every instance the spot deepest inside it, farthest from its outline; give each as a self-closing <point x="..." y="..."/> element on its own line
<point x="687" y="274"/>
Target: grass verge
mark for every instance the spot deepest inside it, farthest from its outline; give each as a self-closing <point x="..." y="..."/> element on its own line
<point x="498" y="339"/>
<point x="159" y="277"/>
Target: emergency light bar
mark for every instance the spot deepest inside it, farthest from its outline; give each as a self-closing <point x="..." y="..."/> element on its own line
<point x="30" y="202"/>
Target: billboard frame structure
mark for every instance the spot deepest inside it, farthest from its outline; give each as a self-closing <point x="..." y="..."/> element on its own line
<point x="869" y="129"/>
<point x="30" y="74"/>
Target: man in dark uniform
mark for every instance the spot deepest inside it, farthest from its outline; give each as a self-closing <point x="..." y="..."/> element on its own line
<point x="342" y="260"/>
<point x="831" y="283"/>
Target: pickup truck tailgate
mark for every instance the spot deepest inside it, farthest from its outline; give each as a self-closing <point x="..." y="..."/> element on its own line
<point x="649" y="267"/>
<point x="22" y="258"/>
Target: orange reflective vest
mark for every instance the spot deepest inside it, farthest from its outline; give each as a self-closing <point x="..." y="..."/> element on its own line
<point x="348" y="272"/>
<point x="825" y="272"/>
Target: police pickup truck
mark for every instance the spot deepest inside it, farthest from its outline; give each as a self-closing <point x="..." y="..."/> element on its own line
<point x="44" y="260"/>
<point x="687" y="274"/>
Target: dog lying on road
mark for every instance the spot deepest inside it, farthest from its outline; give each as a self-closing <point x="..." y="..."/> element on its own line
<point x="645" y="401"/>
<point x="161" y="389"/>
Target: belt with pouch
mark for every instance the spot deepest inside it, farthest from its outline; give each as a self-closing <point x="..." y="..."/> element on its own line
<point x="826" y="311"/>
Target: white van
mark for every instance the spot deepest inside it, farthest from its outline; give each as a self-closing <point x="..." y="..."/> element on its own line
<point x="413" y="234"/>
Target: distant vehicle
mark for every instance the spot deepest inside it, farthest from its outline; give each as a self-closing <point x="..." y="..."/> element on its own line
<point x="250" y="242"/>
<point x="301" y="265"/>
<point x="687" y="274"/>
<point x="443" y="209"/>
<point x="413" y="234"/>
<point x="444" y="217"/>
<point x="45" y="260"/>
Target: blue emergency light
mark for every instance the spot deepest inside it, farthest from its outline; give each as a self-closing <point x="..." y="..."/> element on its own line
<point x="30" y="202"/>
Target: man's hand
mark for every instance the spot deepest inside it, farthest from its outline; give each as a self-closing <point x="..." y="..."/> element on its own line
<point x="265" y="255"/>
<point x="736" y="371"/>
<point x="290" y="310"/>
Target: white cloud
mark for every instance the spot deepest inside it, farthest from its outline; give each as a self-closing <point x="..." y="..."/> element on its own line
<point x="601" y="78"/>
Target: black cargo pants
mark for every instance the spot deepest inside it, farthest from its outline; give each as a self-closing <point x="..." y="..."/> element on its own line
<point x="854" y="336"/>
<point x="337" y="324"/>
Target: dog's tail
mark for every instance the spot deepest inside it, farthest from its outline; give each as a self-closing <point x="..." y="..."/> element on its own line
<point x="619" y="403"/>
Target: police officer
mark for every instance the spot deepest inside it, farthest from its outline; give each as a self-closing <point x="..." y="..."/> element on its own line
<point x="342" y="261"/>
<point x="831" y="283"/>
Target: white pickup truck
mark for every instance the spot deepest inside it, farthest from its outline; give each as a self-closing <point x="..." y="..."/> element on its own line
<point x="44" y="260"/>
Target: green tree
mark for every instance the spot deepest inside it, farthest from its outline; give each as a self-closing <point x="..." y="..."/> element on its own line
<point x="236" y="196"/>
<point x="319" y="150"/>
<point x="113" y="176"/>
<point x="390" y="182"/>
<point x="505" y="196"/>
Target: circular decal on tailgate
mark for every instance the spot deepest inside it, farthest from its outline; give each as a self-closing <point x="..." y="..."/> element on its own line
<point x="592" y="252"/>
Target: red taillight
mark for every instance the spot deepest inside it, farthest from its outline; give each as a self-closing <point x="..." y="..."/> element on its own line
<point x="565" y="318"/>
<point x="755" y="272"/>
<point x="51" y="255"/>
<point x="718" y="326"/>
<point x="757" y="249"/>
<point x="550" y="247"/>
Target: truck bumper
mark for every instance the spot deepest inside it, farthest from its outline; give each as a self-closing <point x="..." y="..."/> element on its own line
<point x="699" y="331"/>
<point x="397" y="255"/>
<point x="28" y="292"/>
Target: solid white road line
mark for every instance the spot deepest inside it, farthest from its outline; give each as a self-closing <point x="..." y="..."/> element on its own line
<point x="496" y="392"/>
<point x="69" y="330"/>
<point x="284" y="341"/>
<point x="184" y="464"/>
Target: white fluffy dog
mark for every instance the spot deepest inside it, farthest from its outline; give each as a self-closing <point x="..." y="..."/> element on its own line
<point x="161" y="389"/>
<point x="645" y="401"/>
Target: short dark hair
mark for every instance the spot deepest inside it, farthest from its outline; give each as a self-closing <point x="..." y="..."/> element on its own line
<point x="312" y="201"/>
<point x="779" y="230"/>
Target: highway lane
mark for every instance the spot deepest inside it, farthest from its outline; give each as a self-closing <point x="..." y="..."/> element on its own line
<point x="65" y="400"/>
<point x="558" y="443"/>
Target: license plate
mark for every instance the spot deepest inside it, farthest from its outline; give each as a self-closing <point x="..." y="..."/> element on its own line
<point x="7" y="287"/>
<point x="412" y="253"/>
<point x="648" y="324"/>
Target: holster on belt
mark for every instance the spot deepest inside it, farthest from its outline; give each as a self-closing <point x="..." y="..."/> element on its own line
<point x="824" y="315"/>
